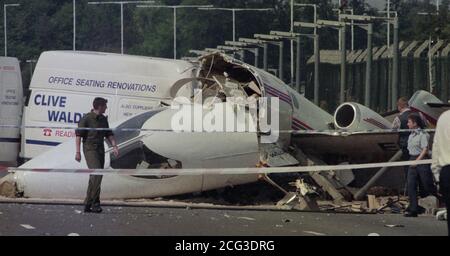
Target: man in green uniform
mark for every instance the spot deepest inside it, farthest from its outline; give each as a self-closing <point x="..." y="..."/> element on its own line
<point x="94" y="150"/>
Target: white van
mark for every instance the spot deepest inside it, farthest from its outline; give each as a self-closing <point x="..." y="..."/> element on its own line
<point x="11" y="104"/>
<point x="65" y="83"/>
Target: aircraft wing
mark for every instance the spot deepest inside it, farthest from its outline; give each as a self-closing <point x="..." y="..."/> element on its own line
<point x="357" y="146"/>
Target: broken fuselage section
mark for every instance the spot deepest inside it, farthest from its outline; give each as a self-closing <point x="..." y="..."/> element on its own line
<point x="158" y="139"/>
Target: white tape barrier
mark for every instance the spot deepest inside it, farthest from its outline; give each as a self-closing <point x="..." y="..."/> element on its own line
<point x="225" y="171"/>
<point x="323" y="132"/>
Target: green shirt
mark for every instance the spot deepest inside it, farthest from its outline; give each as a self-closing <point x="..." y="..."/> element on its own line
<point x="92" y="137"/>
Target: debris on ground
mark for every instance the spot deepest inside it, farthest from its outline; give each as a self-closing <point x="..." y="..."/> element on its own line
<point x="379" y="191"/>
<point x="394" y="226"/>
<point x="8" y="187"/>
<point x="430" y="203"/>
<point x="441" y="215"/>
<point x="390" y="204"/>
<point x="246" y="218"/>
<point x="26" y="226"/>
<point x="314" y="233"/>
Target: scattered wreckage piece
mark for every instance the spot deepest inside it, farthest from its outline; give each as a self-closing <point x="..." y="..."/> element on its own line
<point x="8" y="187"/>
<point x="441" y="215"/>
<point x="327" y="183"/>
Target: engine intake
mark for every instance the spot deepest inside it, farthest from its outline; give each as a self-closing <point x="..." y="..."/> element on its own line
<point x="356" y="117"/>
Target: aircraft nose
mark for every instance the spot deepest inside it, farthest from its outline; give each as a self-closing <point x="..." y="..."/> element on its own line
<point x="199" y="149"/>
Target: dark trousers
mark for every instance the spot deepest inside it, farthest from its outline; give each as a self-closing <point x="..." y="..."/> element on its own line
<point x="95" y="159"/>
<point x="444" y="187"/>
<point x="405" y="157"/>
<point x="419" y="175"/>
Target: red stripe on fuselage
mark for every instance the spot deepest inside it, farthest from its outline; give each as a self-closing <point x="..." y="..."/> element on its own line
<point x="301" y="123"/>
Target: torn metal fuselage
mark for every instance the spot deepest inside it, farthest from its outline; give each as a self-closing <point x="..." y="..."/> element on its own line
<point x="221" y="81"/>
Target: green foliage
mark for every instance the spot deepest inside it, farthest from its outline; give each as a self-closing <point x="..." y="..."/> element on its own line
<point x="42" y="25"/>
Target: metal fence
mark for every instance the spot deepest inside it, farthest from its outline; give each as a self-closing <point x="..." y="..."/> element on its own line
<point x="422" y="66"/>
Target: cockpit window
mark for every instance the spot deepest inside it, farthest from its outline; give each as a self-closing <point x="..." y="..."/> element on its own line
<point x="134" y="154"/>
<point x="138" y="156"/>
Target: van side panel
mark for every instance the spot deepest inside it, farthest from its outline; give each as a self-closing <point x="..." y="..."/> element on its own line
<point x="64" y="85"/>
<point x="11" y="104"/>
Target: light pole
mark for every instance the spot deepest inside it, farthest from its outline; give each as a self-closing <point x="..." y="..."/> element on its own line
<point x="233" y="11"/>
<point x="278" y="41"/>
<point x="74" y="24"/>
<point x="245" y="47"/>
<point x="174" y="7"/>
<point x="352" y="24"/>
<point x="388" y="16"/>
<point x="292" y="30"/>
<point x="369" y="28"/>
<point x="121" y="3"/>
<point x="296" y="37"/>
<point x="259" y="43"/>
<point x="316" y="56"/>
<point x="5" y="25"/>
<point x="430" y="57"/>
<point x="341" y="27"/>
<point x="31" y="67"/>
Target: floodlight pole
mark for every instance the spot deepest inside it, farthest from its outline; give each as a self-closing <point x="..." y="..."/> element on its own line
<point x="369" y="28"/>
<point x="234" y="10"/>
<point x="341" y="26"/>
<point x="316" y="57"/>
<point x="316" y="37"/>
<point x="265" y="57"/>
<point x="5" y="24"/>
<point x="74" y="24"/>
<point x="275" y="40"/>
<point x="343" y="65"/>
<point x="246" y="47"/>
<point x="395" y="57"/>
<point x="31" y="67"/>
<point x="260" y="43"/>
<point x="295" y="37"/>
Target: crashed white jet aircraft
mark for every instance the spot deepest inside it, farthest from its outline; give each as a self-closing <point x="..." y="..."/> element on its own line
<point x="222" y="80"/>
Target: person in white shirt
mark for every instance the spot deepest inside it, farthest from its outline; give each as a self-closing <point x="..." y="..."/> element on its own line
<point x="418" y="146"/>
<point x="441" y="159"/>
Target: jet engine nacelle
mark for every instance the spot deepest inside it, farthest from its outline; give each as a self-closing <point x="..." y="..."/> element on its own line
<point x="356" y="117"/>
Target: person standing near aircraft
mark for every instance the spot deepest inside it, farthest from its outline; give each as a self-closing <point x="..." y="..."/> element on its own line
<point x="401" y="122"/>
<point x="94" y="150"/>
<point x="418" y="146"/>
<point x="441" y="159"/>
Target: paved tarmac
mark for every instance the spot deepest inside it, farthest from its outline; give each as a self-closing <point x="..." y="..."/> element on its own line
<point x="62" y="220"/>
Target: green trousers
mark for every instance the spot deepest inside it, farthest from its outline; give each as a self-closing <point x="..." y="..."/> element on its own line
<point x="95" y="159"/>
